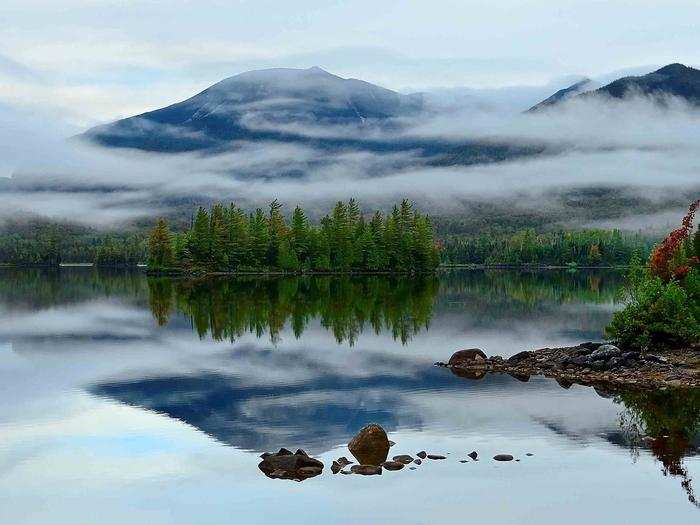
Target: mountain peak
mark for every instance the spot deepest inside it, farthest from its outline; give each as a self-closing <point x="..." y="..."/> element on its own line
<point x="674" y="69"/>
<point x="257" y="105"/>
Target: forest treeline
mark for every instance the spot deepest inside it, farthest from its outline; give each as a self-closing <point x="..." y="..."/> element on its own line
<point x="364" y="242"/>
<point x="558" y="248"/>
<point x="226" y="238"/>
<point x="50" y="244"/>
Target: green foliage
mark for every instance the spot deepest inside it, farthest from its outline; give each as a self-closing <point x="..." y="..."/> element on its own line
<point x="160" y="246"/>
<point x="584" y="248"/>
<point x="658" y="313"/>
<point x="228" y="240"/>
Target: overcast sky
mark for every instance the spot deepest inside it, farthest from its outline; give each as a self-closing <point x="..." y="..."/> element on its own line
<point x="93" y="60"/>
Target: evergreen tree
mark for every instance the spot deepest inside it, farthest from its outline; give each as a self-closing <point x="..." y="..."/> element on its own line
<point x="219" y="238"/>
<point x="239" y="247"/>
<point x="300" y="234"/>
<point x="277" y="231"/>
<point x="200" y="243"/>
<point x="259" y="239"/>
<point x="160" y="251"/>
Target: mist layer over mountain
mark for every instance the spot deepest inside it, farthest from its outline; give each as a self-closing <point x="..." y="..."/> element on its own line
<point x="309" y="137"/>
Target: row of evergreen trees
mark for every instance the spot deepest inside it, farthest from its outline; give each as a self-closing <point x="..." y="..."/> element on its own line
<point x="227" y="239"/>
<point x="558" y="248"/>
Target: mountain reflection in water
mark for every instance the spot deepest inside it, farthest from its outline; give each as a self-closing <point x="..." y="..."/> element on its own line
<point x="257" y="364"/>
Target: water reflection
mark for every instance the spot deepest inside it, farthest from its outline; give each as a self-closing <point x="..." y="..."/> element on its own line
<point x="92" y="359"/>
<point x="668" y="423"/>
<point x="228" y="308"/>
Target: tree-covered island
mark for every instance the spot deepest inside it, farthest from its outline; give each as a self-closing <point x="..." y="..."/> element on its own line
<point x="227" y="239"/>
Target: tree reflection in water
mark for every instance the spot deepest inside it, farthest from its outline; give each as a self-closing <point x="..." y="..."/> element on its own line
<point x="669" y="422"/>
<point x="227" y="308"/>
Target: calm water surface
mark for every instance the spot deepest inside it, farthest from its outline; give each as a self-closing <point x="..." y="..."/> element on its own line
<point x="129" y="400"/>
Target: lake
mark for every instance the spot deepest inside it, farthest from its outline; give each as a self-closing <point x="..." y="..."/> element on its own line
<point x="136" y="400"/>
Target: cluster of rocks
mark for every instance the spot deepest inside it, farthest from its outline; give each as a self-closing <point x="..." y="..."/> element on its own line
<point x="287" y="465"/>
<point x="370" y="447"/>
<point x="587" y="363"/>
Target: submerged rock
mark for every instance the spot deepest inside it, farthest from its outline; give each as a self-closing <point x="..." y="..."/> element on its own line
<point x="403" y="458"/>
<point x="370" y="445"/>
<point x="393" y="465"/>
<point x="418" y="461"/>
<point x="366" y="470"/>
<point x="503" y="457"/>
<point x="422" y="454"/>
<point x="287" y="465"/>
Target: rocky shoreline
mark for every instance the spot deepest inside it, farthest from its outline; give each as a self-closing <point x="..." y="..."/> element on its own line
<point x="588" y="364"/>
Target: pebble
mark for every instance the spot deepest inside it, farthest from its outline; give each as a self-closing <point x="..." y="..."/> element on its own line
<point x="436" y="456"/>
<point x="422" y="454"/>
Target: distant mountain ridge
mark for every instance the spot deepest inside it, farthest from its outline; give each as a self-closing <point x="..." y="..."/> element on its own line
<point x="564" y="94"/>
<point x="673" y="80"/>
<point x="257" y="105"/>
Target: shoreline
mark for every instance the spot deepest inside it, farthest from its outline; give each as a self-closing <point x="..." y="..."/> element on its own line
<point x="588" y="364"/>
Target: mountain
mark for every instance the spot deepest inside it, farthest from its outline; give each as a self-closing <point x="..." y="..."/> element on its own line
<point x="564" y="94"/>
<point x="271" y="104"/>
<point x="674" y="80"/>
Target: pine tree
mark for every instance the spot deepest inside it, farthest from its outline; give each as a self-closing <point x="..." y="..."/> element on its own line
<point x="200" y="243"/>
<point x="300" y="234"/>
<point x="259" y="239"/>
<point x="218" y="231"/>
<point x="160" y="248"/>
<point x="340" y="237"/>
<point x="238" y="238"/>
<point x="277" y="232"/>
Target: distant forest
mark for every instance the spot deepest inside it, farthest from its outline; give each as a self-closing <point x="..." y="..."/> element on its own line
<point x="360" y="245"/>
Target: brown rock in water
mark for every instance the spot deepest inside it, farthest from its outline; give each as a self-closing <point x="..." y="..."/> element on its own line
<point x="436" y="456"/>
<point x="366" y="470"/>
<point x="403" y="458"/>
<point x="335" y="467"/>
<point x="393" y="465"/>
<point x="343" y="461"/>
<point x="370" y="445"/>
<point x="503" y="457"/>
<point x="470" y="356"/>
<point x="285" y="465"/>
<point x="422" y="454"/>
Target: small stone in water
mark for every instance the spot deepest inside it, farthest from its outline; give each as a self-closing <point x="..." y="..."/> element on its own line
<point x="462" y="460"/>
<point x="417" y="461"/>
<point x="366" y="470"/>
<point x="403" y="458"/>
<point x="529" y="454"/>
<point x="436" y="456"/>
<point x="503" y="457"/>
<point x="393" y="465"/>
<point x="422" y="454"/>
<point x="473" y="455"/>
